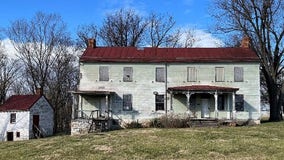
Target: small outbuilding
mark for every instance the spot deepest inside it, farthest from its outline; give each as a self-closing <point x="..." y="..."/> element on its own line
<point x="23" y="117"/>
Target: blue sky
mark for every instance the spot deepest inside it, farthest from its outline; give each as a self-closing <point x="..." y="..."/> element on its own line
<point x="187" y="13"/>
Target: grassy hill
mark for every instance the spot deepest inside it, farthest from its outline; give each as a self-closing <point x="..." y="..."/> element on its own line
<point x="265" y="141"/>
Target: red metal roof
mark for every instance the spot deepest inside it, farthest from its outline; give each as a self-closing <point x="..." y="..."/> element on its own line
<point x="132" y="54"/>
<point x="203" y="88"/>
<point x="19" y="102"/>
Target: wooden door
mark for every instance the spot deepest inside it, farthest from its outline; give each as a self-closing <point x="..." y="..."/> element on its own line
<point x="10" y="136"/>
<point x="36" y="120"/>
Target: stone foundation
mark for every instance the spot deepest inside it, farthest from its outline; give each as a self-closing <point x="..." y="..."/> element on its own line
<point x="80" y="126"/>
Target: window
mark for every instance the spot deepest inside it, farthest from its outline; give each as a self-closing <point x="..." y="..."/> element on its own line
<point x="127" y="102"/>
<point x="239" y="102"/>
<point x="219" y="74"/>
<point x="18" y="134"/>
<point x="13" y="118"/>
<point x="160" y="74"/>
<point x="160" y="102"/>
<point x="103" y="73"/>
<point x="238" y="74"/>
<point x="127" y="74"/>
<point x="221" y="102"/>
<point x="191" y="74"/>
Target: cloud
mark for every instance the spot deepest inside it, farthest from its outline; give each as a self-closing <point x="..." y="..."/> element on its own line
<point x="8" y="47"/>
<point x="205" y="39"/>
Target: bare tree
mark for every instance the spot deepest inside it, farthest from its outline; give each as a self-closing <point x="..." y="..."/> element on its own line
<point x="8" y="74"/>
<point x="159" y="27"/>
<point x="84" y="33"/>
<point x="263" y="22"/>
<point x="43" y="44"/>
<point x="123" y="28"/>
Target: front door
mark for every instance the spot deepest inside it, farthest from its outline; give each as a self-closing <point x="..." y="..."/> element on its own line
<point x="204" y="108"/>
<point x="10" y="136"/>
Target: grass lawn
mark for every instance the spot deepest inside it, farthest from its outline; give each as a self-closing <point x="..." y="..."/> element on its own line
<point x="265" y="141"/>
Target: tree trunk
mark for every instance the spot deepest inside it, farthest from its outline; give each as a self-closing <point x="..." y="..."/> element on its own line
<point x="274" y="99"/>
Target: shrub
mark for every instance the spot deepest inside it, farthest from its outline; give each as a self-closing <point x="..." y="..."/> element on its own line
<point x="133" y="124"/>
<point x="170" y="121"/>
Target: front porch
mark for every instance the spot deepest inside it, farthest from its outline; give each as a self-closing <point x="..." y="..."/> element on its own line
<point x="203" y="101"/>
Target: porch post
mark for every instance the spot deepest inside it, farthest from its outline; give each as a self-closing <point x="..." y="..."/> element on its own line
<point x="188" y="95"/>
<point x="171" y="100"/>
<point x="107" y="105"/>
<point x="81" y="106"/>
<point x="233" y="105"/>
<point x="216" y="104"/>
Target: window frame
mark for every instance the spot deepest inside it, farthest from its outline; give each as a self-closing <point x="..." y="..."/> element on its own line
<point x="127" y="74"/>
<point x="103" y="73"/>
<point x="159" y="102"/>
<point x="127" y="102"/>
<point x="160" y="74"/>
<point x="238" y="74"/>
<point x="13" y="118"/>
<point x="217" y="74"/>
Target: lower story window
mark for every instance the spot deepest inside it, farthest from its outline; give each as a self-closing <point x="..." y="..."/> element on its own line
<point x="239" y="102"/>
<point x="18" y="134"/>
<point x="160" y="104"/>
<point x="127" y="102"/>
<point x="221" y="102"/>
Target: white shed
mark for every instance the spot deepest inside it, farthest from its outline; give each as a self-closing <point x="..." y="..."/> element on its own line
<point x="23" y="117"/>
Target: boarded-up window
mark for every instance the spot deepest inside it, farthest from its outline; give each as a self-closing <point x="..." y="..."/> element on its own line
<point x="13" y="118"/>
<point x="127" y="102"/>
<point x="191" y="74"/>
<point x="103" y="73"/>
<point x="239" y="102"/>
<point x="160" y="102"/>
<point x="238" y="74"/>
<point x="127" y="74"/>
<point x="160" y="74"/>
<point x="219" y="74"/>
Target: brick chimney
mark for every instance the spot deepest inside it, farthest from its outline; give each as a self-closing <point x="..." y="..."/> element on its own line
<point x="91" y="43"/>
<point x="245" y="43"/>
<point x="39" y="91"/>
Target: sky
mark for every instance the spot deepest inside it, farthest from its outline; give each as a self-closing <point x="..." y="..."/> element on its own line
<point x="187" y="13"/>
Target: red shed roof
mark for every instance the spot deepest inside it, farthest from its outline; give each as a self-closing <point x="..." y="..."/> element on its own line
<point x="203" y="88"/>
<point x="19" y="102"/>
<point x="132" y="54"/>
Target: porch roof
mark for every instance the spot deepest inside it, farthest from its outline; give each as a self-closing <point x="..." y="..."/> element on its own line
<point x="203" y="88"/>
<point x="93" y="92"/>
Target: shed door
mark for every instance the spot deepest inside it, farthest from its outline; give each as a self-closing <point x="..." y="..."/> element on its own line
<point x="36" y="120"/>
<point x="10" y="136"/>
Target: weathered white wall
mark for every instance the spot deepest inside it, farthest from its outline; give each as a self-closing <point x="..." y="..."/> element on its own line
<point x="144" y="84"/>
<point x="21" y="125"/>
<point x="46" y="117"/>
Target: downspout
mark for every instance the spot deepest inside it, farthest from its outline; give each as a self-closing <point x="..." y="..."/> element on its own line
<point x="166" y="88"/>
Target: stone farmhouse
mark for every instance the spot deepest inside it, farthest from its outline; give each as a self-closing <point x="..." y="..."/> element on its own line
<point x="125" y="84"/>
<point x="23" y="117"/>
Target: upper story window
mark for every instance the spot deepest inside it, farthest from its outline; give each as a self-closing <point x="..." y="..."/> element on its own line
<point x="160" y="74"/>
<point x="127" y="74"/>
<point x="160" y="104"/>
<point x="191" y="74"/>
<point x="219" y="74"/>
<point x="103" y="73"/>
<point x="238" y="74"/>
<point x="127" y="102"/>
<point x="13" y="118"/>
<point x="239" y="102"/>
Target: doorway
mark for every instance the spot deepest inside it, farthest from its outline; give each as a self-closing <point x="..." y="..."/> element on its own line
<point x="36" y="121"/>
<point x="10" y="136"/>
<point x="204" y="108"/>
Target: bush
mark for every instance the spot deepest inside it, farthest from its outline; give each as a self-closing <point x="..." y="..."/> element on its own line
<point x="170" y="121"/>
<point x="133" y="124"/>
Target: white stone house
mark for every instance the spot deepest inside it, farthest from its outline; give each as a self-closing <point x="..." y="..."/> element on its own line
<point x="130" y="84"/>
<point x="23" y="117"/>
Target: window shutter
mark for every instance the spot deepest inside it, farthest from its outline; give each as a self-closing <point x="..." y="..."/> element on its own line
<point x="127" y="74"/>
<point x="127" y="102"/>
<point x="191" y="74"/>
<point x="103" y="73"/>
<point x="219" y="74"/>
<point x="160" y="74"/>
<point x="238" y="74"/>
